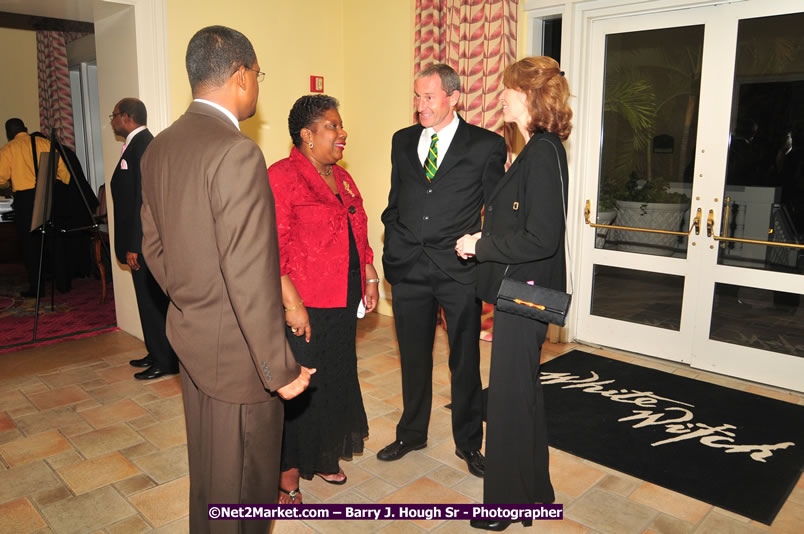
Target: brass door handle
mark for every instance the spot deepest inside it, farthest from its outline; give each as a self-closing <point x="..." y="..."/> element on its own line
<point x="696" y="225"/>
<point x="710" y="231"/>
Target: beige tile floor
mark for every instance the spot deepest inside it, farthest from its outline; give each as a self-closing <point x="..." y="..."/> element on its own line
<point x="86" y="448"/>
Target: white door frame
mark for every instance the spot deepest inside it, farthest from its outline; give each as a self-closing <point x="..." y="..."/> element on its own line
<point x="132" y="56"/>
<point x="691" y="345"/>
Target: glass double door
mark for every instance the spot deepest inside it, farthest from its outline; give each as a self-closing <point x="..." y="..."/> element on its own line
<point x="693" y="239"/>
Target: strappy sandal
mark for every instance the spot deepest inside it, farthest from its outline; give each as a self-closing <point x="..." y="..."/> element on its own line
<point x="292" y="494"/>
<point x="337" y="482"/>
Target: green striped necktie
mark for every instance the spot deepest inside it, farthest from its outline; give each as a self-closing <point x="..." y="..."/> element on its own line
<point x="430" y="166"/>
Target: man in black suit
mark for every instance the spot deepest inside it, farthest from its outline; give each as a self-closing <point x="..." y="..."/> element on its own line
<point x="441" y="170"/>
<point x="128" y="122"/>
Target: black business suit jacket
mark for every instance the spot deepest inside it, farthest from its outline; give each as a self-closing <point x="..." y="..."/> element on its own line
<point x="524" y="221"/>
<point x="426" y="217"/>
<point x="126" y="186"/>
<point x="523" y="228"/>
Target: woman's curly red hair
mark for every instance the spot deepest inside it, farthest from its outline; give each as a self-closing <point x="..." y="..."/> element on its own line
<point x="547" y="90"/>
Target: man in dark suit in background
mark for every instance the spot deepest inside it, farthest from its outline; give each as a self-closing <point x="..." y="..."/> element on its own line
<point x="209" y="234"/>
<point x="441" y="170"/>
<point x="128" y="122"/>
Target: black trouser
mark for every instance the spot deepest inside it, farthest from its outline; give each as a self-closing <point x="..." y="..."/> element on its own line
<point x="153" y="304"/>
<point x="30" y="242"/>
<point x="517" y="459"/>
<point x="415" y="304"/>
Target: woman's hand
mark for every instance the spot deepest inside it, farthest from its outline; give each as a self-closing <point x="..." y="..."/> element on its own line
<point x="372" y="296"/>
<point x="372" y="288"/>
<point x="295" y="313"/>
<point x="299" y="322"/>
<point x="465" y="246"/>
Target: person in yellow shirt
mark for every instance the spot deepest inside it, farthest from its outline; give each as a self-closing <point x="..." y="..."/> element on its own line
<point x="17" y="167"/>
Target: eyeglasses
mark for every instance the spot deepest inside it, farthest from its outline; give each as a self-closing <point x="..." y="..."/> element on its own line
<point x="260" y="75"/>
<point x="113" y="115"/>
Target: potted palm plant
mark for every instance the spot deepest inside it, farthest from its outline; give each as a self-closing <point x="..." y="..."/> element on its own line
<point x="635" y="93"/>
<point x="649" y="204"/>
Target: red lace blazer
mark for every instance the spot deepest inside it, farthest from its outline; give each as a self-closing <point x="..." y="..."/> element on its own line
<point x="313" y="230"/>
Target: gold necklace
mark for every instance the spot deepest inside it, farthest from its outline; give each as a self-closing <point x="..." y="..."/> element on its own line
<point x="325" y="173"/>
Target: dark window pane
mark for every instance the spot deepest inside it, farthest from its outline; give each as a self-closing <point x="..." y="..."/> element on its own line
<point x="650" y="115"/>
<point x="764" y="193"/>
<point x="552" y="39"/>
<point x="758" y="318"/>
<point x="640" y="297"/>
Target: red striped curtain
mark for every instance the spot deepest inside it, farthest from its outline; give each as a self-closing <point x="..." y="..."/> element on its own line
<point x="55" y="101"/>
<point x="478" y="39"/>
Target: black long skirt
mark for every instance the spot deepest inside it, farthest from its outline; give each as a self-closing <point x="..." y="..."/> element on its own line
<point x="327" y="422"/>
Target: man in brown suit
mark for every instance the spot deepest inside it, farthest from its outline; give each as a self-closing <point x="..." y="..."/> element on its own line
<point x="209" y="236"/>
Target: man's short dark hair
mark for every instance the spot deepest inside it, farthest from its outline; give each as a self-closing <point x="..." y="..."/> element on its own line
<point x="450" y="81"/>
<point x="135" y="109"/>
<point x="13" y="127"/>
<point x="214" y="54"/>
<point x="307" y="110"/>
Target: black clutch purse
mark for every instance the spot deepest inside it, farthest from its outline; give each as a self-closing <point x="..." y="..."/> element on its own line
<point x="536" y="302"/>
<point x="533" y="302"/>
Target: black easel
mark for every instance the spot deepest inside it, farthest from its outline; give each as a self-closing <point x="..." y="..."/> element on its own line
<point x="42" y="217"/>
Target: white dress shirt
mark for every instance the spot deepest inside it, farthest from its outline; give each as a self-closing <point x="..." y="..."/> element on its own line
<point x="129" y="137"/>
<point x="444" y="140"/>
<point x="221" y="109"/>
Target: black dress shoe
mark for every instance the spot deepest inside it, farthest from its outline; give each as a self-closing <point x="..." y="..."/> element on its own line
<point x="496" y="525"/>
<point x="142" y="362"/>
<point x="398" y="449"/>
<point x="474" y="461"/>
<point x="153" y="372"/>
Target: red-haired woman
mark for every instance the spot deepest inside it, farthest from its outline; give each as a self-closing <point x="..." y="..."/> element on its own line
<point x="523" y="238"/>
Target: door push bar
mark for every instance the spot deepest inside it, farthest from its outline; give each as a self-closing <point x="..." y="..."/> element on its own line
<point x="710" y="230"/>
<point x="696" y="224"/>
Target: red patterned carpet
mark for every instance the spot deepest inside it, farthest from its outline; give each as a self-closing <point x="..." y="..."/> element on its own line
<point x="77" y="313"/>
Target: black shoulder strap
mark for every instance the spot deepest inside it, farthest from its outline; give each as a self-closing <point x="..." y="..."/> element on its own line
<point x="36" y="160"/>
<point x="564" y="207"/>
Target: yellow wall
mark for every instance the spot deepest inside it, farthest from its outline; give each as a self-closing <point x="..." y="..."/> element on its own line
<point x="20" y="90"/>
<point x="363" y="49"/>
<point x="378" y="101"/>
<point x="292" y="39"/>
<point x="364" y="53"/>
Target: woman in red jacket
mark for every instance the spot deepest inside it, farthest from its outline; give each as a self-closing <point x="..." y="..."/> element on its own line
<point x="327" y="280"/>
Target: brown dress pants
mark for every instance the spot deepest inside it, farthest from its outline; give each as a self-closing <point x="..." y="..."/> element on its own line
<point x="233" y="453"/>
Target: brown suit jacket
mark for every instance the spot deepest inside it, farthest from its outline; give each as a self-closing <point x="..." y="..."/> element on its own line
<point x="209" y="238"/>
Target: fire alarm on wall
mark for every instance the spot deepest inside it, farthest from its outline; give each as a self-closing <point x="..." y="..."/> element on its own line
<point x="316" y="84"/>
